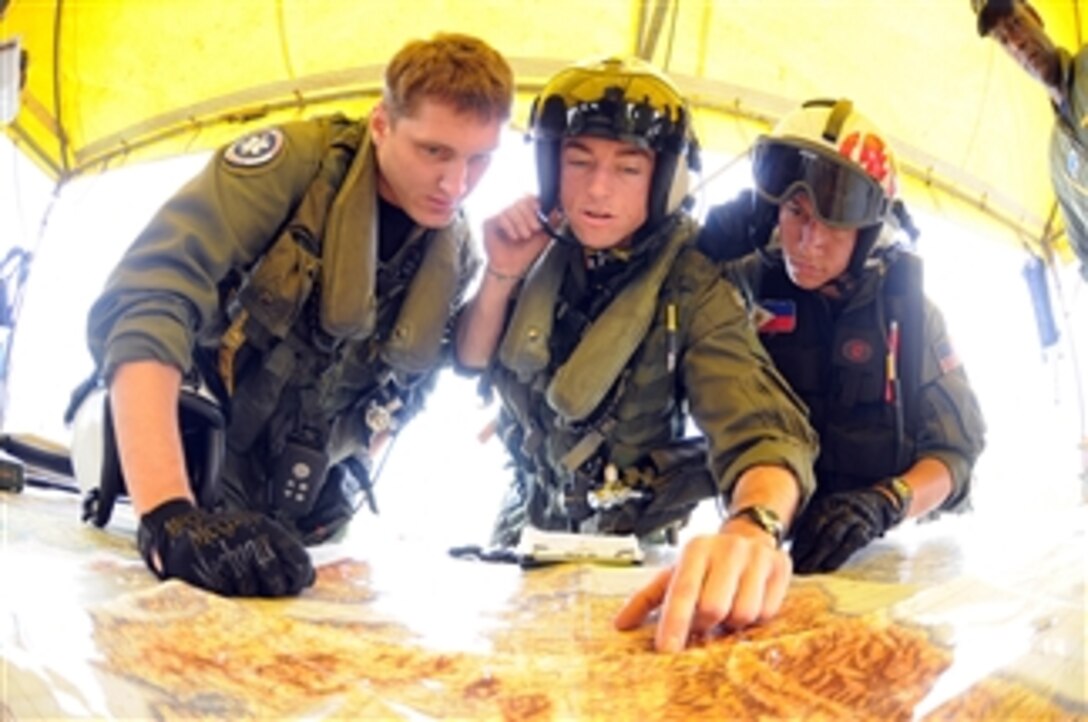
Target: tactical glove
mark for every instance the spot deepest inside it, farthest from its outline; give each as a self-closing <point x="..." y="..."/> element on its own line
<point x="837" y="525"/>
<point x="233" y="553"/>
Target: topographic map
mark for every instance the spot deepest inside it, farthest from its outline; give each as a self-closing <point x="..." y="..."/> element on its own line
<point x="405" y="633"/>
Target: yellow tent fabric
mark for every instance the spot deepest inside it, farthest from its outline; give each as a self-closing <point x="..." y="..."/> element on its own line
<point x="111" y="82"/>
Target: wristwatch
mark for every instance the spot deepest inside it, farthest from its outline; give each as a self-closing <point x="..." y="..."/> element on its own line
<point x="898" y="488"/>
<point x="765" y="518"/>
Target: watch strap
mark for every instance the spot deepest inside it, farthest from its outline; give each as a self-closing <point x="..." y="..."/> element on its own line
<point x="900" y="493"/>
<point x="765" y="518"/>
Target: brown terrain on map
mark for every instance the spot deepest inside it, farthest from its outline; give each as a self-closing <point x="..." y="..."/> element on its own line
<point x="552" y="655"/>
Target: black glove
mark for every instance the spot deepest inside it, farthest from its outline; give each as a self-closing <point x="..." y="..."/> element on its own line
<point x="837" y="525"/>
<point x="233" y="553"/>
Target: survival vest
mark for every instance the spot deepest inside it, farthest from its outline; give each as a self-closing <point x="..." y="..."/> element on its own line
<point x="590" y="454"/>
<point x="326" y="347"/>
<point x="838" y="366"/>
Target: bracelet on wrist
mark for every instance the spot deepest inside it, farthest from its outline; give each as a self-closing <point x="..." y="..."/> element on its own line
<point x="507" y="277"/>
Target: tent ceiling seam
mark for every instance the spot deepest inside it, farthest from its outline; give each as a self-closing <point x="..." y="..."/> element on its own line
<point x="649" y="35"/>
<point x="62" y="137"/>
<point x="285" y="49"/>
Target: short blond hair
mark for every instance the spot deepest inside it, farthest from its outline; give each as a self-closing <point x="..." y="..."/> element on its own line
<point x="459" y="70"/>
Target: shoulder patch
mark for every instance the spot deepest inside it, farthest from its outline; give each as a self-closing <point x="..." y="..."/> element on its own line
<point x="947" y="358"/>
<point x="255" y="149"/>
<point x="857" y="351"/>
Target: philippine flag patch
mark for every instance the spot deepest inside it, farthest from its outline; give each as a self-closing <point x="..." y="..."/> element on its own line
<point x="776" y="316"/>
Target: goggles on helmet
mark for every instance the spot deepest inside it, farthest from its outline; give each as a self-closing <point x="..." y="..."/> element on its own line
<point x="844" y="195"/>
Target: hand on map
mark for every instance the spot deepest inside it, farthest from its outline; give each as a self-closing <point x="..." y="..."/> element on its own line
<point x="837" y="525"/>
<point x="233" y="553"/>
<point x="731" y="579"/>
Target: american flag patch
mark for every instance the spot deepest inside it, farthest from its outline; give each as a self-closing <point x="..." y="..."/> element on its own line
<point x="776" y="316"/>
<point x="946" y="357"/>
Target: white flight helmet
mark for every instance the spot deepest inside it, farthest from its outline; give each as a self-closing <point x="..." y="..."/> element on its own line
<point x="841" y="160"/>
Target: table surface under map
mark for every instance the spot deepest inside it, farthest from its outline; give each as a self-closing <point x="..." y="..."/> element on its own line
<point x="965" y="618"/>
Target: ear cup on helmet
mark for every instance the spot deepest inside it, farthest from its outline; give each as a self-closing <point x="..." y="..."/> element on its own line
<point x="549" y="119"/>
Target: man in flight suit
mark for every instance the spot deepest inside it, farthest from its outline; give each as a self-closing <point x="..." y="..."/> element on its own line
<point x="614" y="334"/>
<point x="1018" y="29"/>
<point x="307" y="277"/>
<point x="839" y="306"/>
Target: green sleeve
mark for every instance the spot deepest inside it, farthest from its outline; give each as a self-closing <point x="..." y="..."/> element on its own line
<point x="738" y="399"/>
<point x="164" y="294"/>
<point x="950" y="425"/>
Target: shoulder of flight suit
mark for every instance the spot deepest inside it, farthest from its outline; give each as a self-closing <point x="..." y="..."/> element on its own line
<point x="165" y="290"/>
<point x="737" y="397"/>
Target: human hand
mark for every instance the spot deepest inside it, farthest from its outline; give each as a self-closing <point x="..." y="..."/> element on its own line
<point x="514" y="238"/>
<point x="233" y="553"/>
<point x="734" y="578"/>
<point x="837" y="525"/>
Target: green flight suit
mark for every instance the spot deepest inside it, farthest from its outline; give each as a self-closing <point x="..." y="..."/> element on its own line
<point x="693" y="354"/>
<point x="340" y="325"/>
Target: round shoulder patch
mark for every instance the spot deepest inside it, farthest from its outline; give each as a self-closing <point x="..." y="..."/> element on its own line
<point x="857" y="351"/>
<point x="255" y="149"/>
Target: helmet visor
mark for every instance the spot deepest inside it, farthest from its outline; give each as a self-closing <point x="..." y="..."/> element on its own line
<point x="844" y="195"/>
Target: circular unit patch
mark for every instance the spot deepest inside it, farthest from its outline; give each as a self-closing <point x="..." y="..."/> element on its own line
<point x="857" y="351"/>
<point x="255" y="149"/>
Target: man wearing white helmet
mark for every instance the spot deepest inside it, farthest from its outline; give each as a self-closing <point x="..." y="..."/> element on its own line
<point x="839" y="306"/>
<point x="617" y="329"/>
<point x="1018" y="29"/>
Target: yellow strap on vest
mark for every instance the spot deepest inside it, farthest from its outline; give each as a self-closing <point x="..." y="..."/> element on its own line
<point x="228" y="348"/>
<point x="581" y="383"/>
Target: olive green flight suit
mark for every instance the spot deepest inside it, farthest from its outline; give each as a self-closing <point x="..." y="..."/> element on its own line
<point x="598" y="407"/>
<point x="277" y="240"/>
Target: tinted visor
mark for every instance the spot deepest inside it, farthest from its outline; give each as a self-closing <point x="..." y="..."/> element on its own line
<point x="843" y="194"/>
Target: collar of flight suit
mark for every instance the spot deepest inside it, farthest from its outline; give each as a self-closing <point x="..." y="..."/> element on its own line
<point x="349" y="306"/>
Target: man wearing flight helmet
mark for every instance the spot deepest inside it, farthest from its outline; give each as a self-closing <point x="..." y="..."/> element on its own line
<point x="617" y="328"/>
<point x="840" y="308"/>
